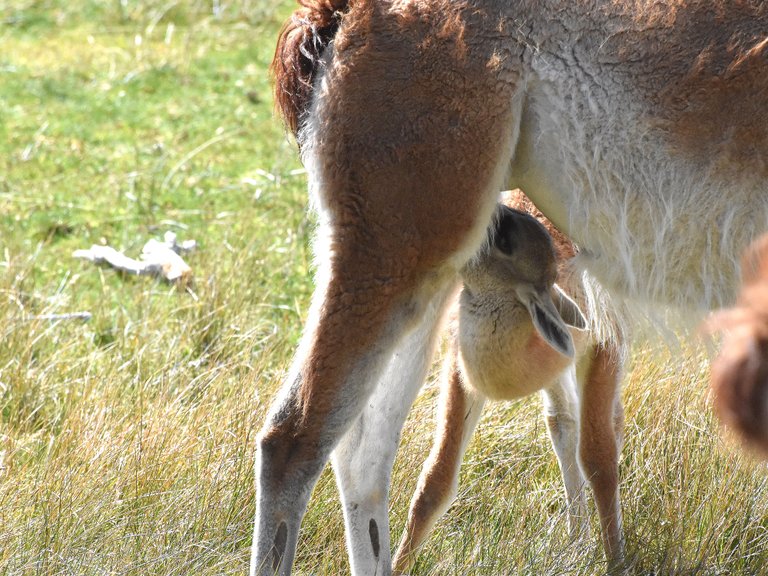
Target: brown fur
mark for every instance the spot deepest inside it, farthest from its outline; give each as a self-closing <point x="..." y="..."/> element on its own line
<point x="740" y="373"/>
<point x="715" y="110"/>
<point x="384" y="264"/>
<point x="712" y="106"/>
<point x="411" y="132"/>
<point x="434" y="487"/>
<point x="600" y="441"/>
<point x="367" y="283"/>
<point x="300" y="46"/>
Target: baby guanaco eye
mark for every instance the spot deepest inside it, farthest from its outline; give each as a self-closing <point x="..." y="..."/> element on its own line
<point x="503" y="237"/>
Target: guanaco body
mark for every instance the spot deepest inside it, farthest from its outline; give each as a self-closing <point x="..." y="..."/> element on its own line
<point x="639" y="127"/>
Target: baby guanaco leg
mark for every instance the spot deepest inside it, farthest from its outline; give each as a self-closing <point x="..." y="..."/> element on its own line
<point x="459" y="413"/>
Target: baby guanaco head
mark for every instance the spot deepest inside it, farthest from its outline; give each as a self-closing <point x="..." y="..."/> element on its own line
<point x="519" y="251"/>
<point x="518" y="267"/>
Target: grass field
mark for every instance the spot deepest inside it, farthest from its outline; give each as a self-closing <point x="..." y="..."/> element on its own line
<point x="126" y="442"/>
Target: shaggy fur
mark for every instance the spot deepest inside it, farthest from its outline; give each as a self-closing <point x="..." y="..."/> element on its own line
<point x="639" y="127"/>
<point x="301" y="43"/>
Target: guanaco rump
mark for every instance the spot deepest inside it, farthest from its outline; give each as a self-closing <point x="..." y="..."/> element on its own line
<point x="639" y="127"/>
<point x="503" y="347"/>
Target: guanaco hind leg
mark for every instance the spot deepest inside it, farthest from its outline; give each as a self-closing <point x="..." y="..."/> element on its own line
<point x="561" y="410"/>
<point x="404" y="200"/>
<point x="364" y="457"/>
<point x="347" y="354"/>
<point x="459" y="413"/>
<point x="380" y="282"/>
<point x="600" y="444"/>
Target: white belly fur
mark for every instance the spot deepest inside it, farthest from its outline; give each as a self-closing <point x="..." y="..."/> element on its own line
<point x="649" y="226"/>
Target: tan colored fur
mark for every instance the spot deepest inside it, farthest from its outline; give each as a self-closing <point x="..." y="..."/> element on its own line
<point x="435" y="489"/>
<point x="513" y="361"/>
<point x="500" y="352"/>
<point x="602" y="429"/>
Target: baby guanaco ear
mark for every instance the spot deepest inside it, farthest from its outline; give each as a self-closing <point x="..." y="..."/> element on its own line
<point x="547" y="320"/>
<point x="568" y="309"/>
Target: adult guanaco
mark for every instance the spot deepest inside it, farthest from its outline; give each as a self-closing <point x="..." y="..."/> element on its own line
<point x="639" y="127"/>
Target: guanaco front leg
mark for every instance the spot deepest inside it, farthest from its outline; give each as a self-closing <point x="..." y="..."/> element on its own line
<point x="459" y="413"/>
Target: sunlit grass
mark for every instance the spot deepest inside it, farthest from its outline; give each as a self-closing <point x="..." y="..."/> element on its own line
<point x="126" y="442"/>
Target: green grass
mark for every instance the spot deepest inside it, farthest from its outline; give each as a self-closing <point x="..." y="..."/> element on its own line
<point x="126" y="442"/>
